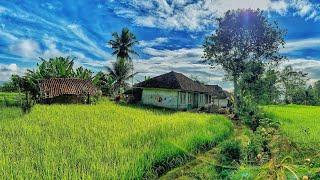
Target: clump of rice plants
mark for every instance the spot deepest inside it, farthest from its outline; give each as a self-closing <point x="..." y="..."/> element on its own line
<point x="104" y="141"/>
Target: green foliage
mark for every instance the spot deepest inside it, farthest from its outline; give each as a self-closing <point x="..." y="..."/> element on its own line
<point x="260" y="83"/>
<point x="229" y="157"/>
<point x="120" y="73"/>
<point x="9" y="99"/>
<point x="9" y="87"/>
<point x="254" y="149"/>
<point x="278" y="169"/>
<point x="241" y="38"/>
<point x="230" y="152"/>
<point x="123" y="44"/>
<point x="83" y="73"/>
<point x="59" y="67"/>
<point x="103" y="141"/>
<point x="293" y="82"/>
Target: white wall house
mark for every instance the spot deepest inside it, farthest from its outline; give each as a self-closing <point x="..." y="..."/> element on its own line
<point x="176" y="91"/>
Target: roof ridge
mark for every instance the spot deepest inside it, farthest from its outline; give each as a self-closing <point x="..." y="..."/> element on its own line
<point x="175" y="75"/>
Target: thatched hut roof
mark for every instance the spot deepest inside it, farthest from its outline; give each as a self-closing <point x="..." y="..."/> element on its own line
<point x="174" y="80"/>
<point x="50" y="88"/>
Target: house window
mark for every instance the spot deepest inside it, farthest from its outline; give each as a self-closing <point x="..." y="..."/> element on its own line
<point x="190" y="98"/>
<point x="182" y="97"/>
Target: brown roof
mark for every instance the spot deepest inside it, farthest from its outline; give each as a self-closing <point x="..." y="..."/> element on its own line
<point x="174" y="80"/>
<point x="216" y="91"/>
<point x="54" y="87"/>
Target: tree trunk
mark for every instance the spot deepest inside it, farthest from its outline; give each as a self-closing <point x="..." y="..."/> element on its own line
<point x="236" y="95"/>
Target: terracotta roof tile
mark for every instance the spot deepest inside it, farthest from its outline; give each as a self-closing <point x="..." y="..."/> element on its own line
<point x="54" y="87"/>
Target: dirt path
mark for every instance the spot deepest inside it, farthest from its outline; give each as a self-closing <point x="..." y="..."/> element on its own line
<point x="202" y="167"/>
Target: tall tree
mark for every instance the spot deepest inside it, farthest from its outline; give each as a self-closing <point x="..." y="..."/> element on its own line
<point x="271" y="92"/>
<point x="122" y="44"/>
<point x="293" y="82"/>
<point x="243" y="36"/>
<point x="120" y="72"/>
<point x="316" y="88"/>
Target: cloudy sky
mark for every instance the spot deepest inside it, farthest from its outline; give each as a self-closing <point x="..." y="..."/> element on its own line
<point x="171" y="33"/>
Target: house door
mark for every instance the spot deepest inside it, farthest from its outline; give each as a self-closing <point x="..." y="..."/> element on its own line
<point x="195" y="100"/>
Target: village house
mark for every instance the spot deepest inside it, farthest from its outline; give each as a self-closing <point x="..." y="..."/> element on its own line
<point x="66" y="90"/>
<point x="176" y="91"/>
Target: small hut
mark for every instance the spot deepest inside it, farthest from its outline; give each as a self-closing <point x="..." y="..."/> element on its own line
<point x="66" y="90"/>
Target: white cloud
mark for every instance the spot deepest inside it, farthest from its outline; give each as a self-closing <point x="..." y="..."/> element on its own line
<point x="155" y="42"/>
<point x="6" y="70"/>
<point x="310" y="66"/>
<point x="87" y="43"/>
<point x="198" y="15"/>
<point x="2" y="9"/>
<point x="297" y="45"/>
<point x="25" y="48"/>
<point x="306" y="9"/>
<point x="185" y="60"/>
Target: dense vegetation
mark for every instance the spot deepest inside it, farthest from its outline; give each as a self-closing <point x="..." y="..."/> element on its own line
<point x="101" y="141"/>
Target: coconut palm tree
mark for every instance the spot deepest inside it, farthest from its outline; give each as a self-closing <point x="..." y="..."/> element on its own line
<point x="122" y="44"/>
<point x="120" y="72"/>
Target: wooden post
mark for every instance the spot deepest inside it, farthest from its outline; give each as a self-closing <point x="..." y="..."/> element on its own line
<point x="88" y="101"/>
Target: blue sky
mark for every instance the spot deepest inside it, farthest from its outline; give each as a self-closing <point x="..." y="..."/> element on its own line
<point x="170" y="32"/>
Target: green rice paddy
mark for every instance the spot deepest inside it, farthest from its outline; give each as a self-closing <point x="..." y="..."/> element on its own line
<point x="103" y="141"/>
<point x="300" y="123"/>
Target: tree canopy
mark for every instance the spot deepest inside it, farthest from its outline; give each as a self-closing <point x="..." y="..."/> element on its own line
<point x="243" y="36"/>
<point x="122" y="44"/>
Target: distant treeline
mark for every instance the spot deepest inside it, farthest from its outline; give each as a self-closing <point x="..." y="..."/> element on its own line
<point x="273" y="86"/>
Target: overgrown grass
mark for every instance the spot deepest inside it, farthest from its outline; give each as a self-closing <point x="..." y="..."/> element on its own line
<point x="9" y="99"/>
<point x="300" y="123"/>
<point x="101" y="141"/>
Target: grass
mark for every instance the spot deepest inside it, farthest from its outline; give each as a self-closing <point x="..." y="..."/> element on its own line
<point x="9" y="99"/>
<point x="104" y="141"/>
<point x="300" y="123"/>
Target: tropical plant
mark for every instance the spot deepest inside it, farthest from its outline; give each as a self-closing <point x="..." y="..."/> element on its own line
<point x="120" y="72"/>
<point x="279" y="170"/>
<point x="122" y="44"/>
<point x="242" y="37"/>
<point x="83" y="73"/>
<point x="105" y="82"/>
<point x="58" y="67"/>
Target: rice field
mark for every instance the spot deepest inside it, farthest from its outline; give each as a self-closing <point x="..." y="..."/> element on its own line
<point x="9" y="99"/>
<point x="300" y="123"/>
<point x="103" y="141"/>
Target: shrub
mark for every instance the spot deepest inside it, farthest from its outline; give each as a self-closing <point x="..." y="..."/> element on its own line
<point x="253" y="151"/>
<point x="229" y="157"/>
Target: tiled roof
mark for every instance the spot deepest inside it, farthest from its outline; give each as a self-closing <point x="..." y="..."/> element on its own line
<point x="54" y="87"/>
<point x="174" y="80"/>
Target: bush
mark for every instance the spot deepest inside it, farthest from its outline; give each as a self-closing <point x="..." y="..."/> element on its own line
<point x="230" y="152"/>
<point x="253" y="152"/>
<point x="229" y="157"/>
